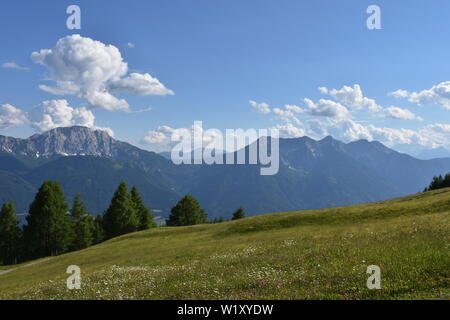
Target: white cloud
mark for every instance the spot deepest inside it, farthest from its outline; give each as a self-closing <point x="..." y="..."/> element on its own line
<point x="13" y="65"/>
<point x="10" y="116"/>
<point x="165" y="137"/>
<point x="48" y="115"/>
<point x="349" y="130"/>
<point x="335" y="117"/>
<point x="352" y="130"/>
<point x="130" y="45"/>
<point x="400" y="113"/>
<point x="261" y="107"/>
<point x="392" y="137"/>
<point x="140" y="110"/>
<point x="400" y="94"/>
<point x="316" y="128"/>
<point x="352" y="98"/>
<point x="52" y="114"/>
<point x="429" y="136"/>
<point x="436" y="95"/>
<point x="289" y="130"/>
<point x="346" y="130"/>
<point x="294" y="108"/>
<point x="159" y="136"/>
<point x="341" y="129"/>
<point x="160" y="139"/>
<point x="287" y="114"/>
<point x="90" y="69"/>
<point x="323" y="90"/>
<point x="327" y="108"/>
<point x="436" y="135"/>
<point x="283" y="113"/>
<point x="141" y="84"/>
<point x="109" y="131"/>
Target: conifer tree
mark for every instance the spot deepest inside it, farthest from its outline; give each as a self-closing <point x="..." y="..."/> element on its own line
<point x="187" y="212"/>
<point x="238" y="214"/>
<point x="120" y="218"/>
<point x="98" y="234"/>
<point x="10" y="234"/>
<point x="83" y="225"/>
<point x="47" y="232"/>
<point x="144" y="214"/>
<point x="439" y="182"/>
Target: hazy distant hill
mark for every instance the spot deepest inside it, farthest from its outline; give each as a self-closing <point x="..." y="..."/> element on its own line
<point x="313" y="174"/>
<point x="316" y="174"/>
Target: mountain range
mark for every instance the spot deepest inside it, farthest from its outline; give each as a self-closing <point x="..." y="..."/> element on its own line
<point x="313" y="174"/>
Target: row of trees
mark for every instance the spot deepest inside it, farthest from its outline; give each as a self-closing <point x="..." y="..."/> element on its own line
<point x="53" y="229"/>
<point x="188" y="212"/>
<point x="439" y="182"/>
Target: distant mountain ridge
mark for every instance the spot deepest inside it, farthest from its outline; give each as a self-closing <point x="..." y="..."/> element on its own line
<point x="313" y="174"/>
<point x="61" y="141"/>
<point x="86" y="161"/>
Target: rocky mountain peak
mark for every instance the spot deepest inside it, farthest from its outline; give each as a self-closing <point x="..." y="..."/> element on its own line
<point x="64" y="141"/>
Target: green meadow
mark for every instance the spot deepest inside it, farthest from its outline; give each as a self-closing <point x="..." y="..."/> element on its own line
<point x="316" y="254"/>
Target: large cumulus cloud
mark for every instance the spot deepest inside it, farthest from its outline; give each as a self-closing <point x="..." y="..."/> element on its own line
<point x="51" y="114"/>
<point x="89" y="69"/>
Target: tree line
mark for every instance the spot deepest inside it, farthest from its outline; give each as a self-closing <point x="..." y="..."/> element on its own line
<point x="188" y="212"/>
<point x="439" y="182"/>
<point x="53" y="228"/>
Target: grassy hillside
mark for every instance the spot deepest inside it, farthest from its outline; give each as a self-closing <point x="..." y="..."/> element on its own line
<point x="320" y="254"/>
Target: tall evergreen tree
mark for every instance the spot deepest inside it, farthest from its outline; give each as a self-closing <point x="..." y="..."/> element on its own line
<point x="98" y="234"/>
<point x="48" y="226"/>
<point x="10" y="234"/>
<point x="144" y="214"/>
<point x="83" y="225"/>
<point x="187" y="212"/>
<point x="238" y="214"/>
<point x="120" y="218"/>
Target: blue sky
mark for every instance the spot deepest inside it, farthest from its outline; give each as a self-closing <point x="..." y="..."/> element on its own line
<point x="216" y="56"/>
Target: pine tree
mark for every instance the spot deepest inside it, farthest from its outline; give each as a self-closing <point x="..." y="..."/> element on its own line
<point x="10" y="234"/>
<point x="144" y="214"/>
<point x="446" y="182"/>
<point x="187" y="212"/>
<point x="98" y="234"/>
<point x="238" y="214"/>
<point x="120" y="218"/>
<point x="83" y="225"/>
<point x="48" y="226"/>
<point x="439" y="182"/>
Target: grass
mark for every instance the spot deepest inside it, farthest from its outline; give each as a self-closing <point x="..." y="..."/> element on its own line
<point x="317" y="254"/>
